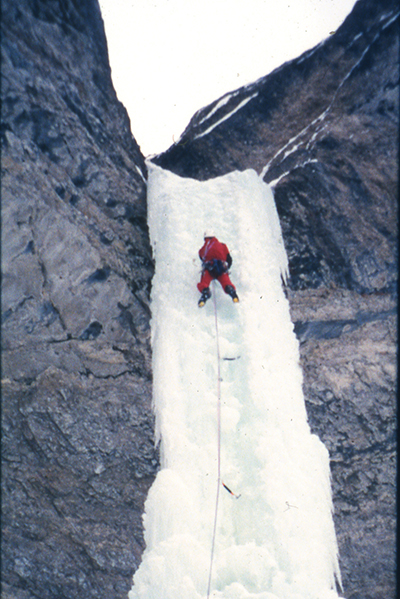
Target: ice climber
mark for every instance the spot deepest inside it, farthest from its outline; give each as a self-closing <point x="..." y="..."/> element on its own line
<point x="216" y="261"/>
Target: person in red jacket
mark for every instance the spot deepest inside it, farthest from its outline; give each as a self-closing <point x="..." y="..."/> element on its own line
<point x="216" y="261"/>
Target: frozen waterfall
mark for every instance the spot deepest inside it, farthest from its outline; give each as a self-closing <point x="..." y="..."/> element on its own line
<point x="275" y="539"/>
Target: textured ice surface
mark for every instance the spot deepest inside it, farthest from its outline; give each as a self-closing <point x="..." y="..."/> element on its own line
<point x="277" y="540"/>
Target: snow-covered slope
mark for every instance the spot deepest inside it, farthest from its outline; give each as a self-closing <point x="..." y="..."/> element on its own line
<point x="275" y="539"/>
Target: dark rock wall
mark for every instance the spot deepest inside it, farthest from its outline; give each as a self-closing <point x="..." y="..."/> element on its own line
<point x="323" y="130"/>
<point x="77" y="427"/>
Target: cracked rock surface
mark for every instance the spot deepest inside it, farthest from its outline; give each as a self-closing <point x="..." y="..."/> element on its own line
<point x="77" y="427"/>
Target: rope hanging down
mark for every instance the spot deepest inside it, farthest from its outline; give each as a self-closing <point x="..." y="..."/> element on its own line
<point x="219" y="481"/>
<point x="219" y="444"/>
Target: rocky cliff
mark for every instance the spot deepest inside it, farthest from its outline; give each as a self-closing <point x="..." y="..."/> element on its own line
<point x="77" y="432"/>
<point x="323" y="131"/>
<point x="78" y="451"/>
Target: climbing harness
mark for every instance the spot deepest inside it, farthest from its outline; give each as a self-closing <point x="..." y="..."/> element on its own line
<point x="215" y="267"/>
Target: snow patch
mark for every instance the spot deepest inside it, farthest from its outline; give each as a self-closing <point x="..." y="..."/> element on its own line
<point x="224" y="100"/>
<point x="275" y="182"/>
<point x="227" y="116"/>
<point x="141" y="174"/>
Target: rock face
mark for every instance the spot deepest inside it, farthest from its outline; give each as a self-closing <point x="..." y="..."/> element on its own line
<point x="322" y="129"/>
<point x="77" y="431"/>
<point x="78" y="451"/>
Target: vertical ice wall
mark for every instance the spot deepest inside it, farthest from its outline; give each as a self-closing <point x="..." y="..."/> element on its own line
<point x="277" y="540"/>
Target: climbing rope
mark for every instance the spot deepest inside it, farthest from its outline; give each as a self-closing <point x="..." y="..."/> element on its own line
<point x="218" y="443"/>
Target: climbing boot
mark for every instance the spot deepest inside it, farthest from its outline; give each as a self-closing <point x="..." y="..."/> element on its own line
<point x="231" y="291"/>
<point x="205" y="295"/>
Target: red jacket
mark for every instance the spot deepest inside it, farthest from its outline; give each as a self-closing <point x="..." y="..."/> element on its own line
<point x="214" y="250"/>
